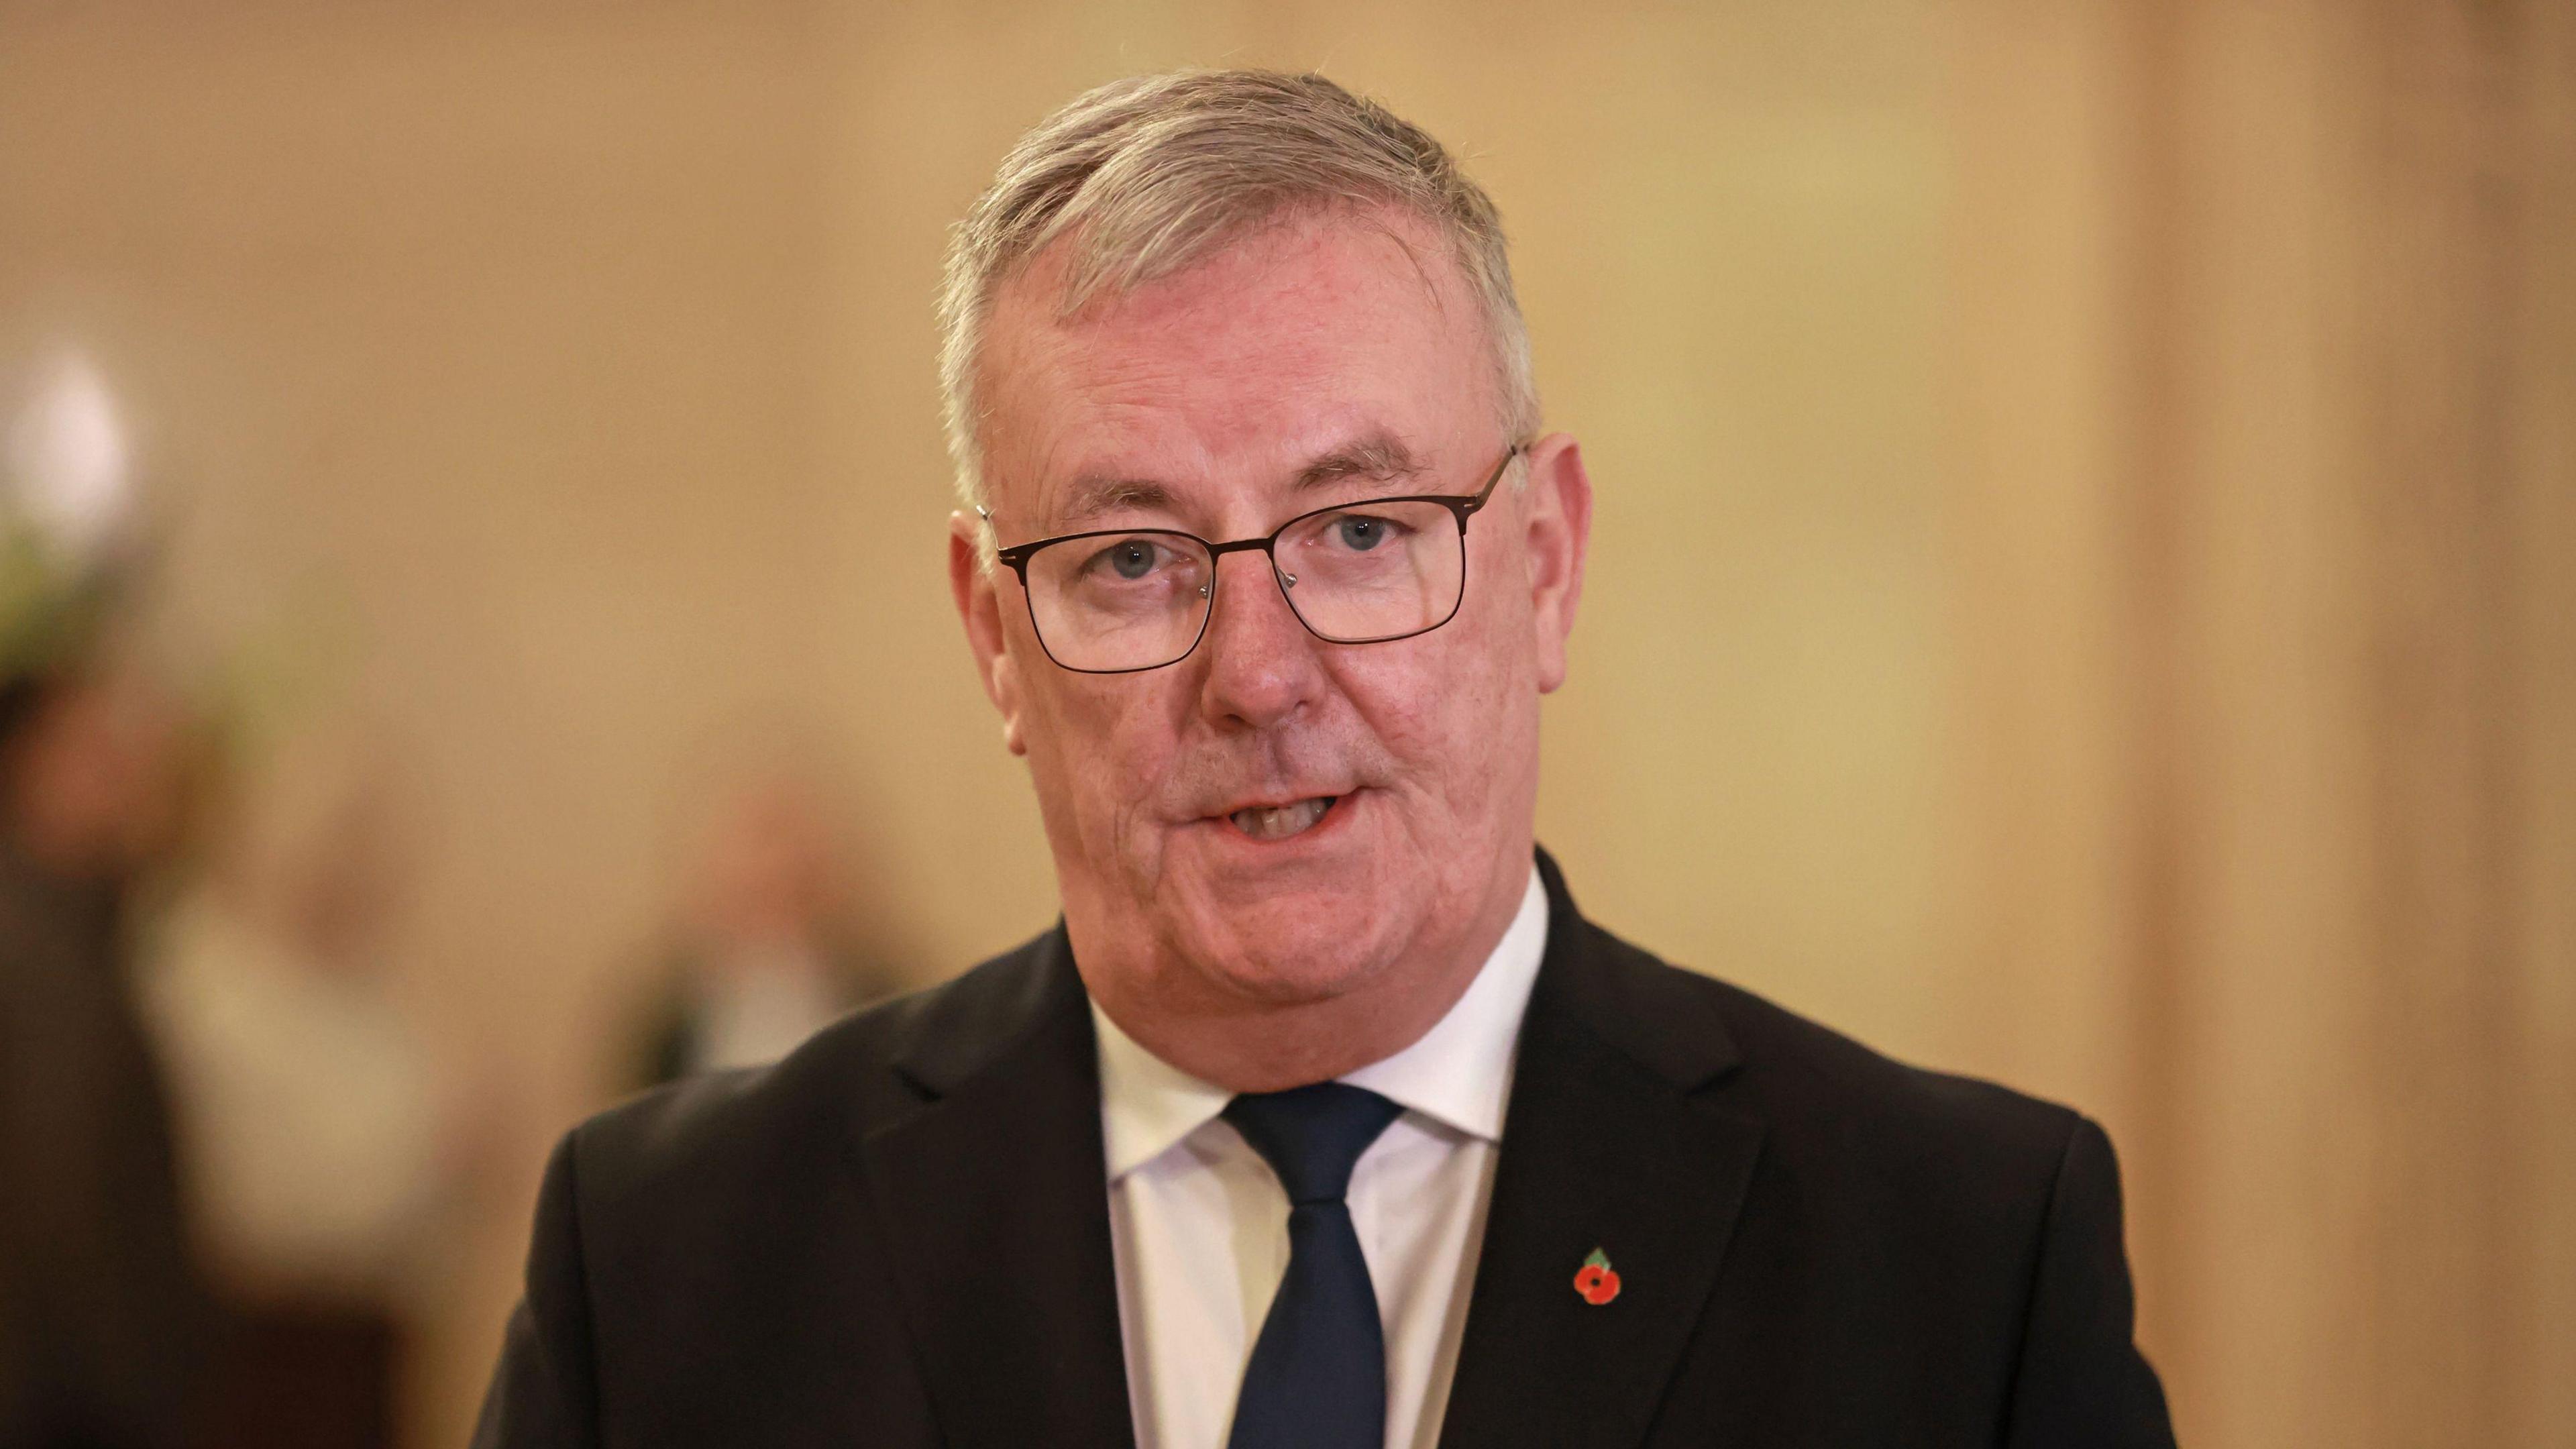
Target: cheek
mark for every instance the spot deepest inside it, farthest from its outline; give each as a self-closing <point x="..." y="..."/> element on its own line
<point x="1100" y="748"/>
<point x="1447" y="712"/>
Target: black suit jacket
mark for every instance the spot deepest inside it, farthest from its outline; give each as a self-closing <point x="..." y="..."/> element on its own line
<point x="898" y="1238"/>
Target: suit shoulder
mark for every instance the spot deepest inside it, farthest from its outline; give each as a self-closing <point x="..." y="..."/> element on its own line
<point x="1828" y="1088"/>
<point x="1847" y="1075"/>
<point x="849" y="1079"/>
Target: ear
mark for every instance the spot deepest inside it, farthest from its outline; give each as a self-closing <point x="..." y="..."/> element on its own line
<point x="977" y="588"/>
<point x="1557" y="508"/>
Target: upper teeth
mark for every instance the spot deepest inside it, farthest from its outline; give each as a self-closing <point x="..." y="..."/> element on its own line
<point x="1277" y="822"/>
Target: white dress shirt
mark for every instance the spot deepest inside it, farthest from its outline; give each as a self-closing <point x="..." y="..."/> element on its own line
<point x="1199" y="1223"/>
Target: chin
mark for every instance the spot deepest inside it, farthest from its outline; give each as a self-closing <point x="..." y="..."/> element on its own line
<point x="1290" y="948"/>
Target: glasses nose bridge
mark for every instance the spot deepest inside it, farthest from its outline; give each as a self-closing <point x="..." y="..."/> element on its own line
<point x="1266" y="548"/>
<point x="1261" y="546"/>
<point x="1242" y="545"/>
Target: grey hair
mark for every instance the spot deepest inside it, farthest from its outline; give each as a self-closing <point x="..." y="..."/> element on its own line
<point x="1150" y="174"/>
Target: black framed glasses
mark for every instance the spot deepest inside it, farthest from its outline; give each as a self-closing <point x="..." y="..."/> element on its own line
<point x="1369" y="571"/>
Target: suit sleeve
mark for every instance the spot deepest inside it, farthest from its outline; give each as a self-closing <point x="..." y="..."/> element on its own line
<point x="2081" y="1380"/>
<point x="545" y="1395"/>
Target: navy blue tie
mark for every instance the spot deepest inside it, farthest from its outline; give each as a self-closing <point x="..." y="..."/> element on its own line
<point x="1317" y="1379"/>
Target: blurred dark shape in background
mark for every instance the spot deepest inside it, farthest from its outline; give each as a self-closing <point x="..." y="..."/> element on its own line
<point x="102" y="1317"/>
<point x="766" y="947"/>
<point x="225" y="1150"/>
<point x="326" y="1141"/>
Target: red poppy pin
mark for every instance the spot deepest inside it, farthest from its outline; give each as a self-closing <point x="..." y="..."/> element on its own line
<point x="1596" y="1280"/>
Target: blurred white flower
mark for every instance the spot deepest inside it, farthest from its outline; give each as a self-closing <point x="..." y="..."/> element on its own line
<point x="67" y="479"/>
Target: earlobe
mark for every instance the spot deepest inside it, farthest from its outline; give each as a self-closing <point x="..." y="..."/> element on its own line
<point x="1006" y="696"/>
<point x="977" y="591"/>
<point x="1559" y="513"/>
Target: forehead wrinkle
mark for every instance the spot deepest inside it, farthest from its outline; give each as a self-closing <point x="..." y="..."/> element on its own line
<point x="1376" y="456"/>
<point x="1115" y="396"/>
<point x="1131" y="364"/>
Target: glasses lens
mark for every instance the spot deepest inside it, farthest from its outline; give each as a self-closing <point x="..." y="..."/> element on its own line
<point x="1373" y="570"/>
<point x="1120" y="601"/>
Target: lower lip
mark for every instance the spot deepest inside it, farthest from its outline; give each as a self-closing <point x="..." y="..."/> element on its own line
<point x="1322" y="831"/>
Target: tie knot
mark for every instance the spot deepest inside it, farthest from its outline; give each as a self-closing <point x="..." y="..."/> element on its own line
<point x="1312" y="1136"/>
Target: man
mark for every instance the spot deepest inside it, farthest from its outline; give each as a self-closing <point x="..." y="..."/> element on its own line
<point x="1322" y="1119"/>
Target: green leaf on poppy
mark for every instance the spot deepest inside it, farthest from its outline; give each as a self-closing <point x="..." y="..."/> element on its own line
<point x="1598" y="1259"/>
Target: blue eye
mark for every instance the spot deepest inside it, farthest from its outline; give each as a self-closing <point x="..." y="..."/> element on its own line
<point x="1129" y="559"/>
<point x="1360" y="534"/>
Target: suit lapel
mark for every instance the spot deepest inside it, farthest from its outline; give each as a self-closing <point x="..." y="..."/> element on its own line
<point x="994" y="1198"/>
<point x="1607" y="1145"/>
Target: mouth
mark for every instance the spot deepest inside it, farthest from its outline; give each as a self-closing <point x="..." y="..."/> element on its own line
<point x="1280" y="822"/>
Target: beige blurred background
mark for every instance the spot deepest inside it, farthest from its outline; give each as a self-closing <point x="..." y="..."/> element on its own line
<point x="2085" y="589"/>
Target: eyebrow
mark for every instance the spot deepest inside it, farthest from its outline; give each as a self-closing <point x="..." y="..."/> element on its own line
<point x="1376" y="457"/>
<point x="1093" y="497"/>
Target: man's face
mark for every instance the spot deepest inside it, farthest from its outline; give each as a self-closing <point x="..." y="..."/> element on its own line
<point x="1319" y="362"/>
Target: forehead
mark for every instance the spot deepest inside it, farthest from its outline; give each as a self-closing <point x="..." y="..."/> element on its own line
<point x="1282" y="347"/>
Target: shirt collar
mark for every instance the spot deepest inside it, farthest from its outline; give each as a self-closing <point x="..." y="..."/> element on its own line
<point x="1459" y="1073"/>
<point x="1146" y="1103"/>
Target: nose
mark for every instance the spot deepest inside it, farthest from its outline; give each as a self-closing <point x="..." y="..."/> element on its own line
<point x="1260" y="664"/>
